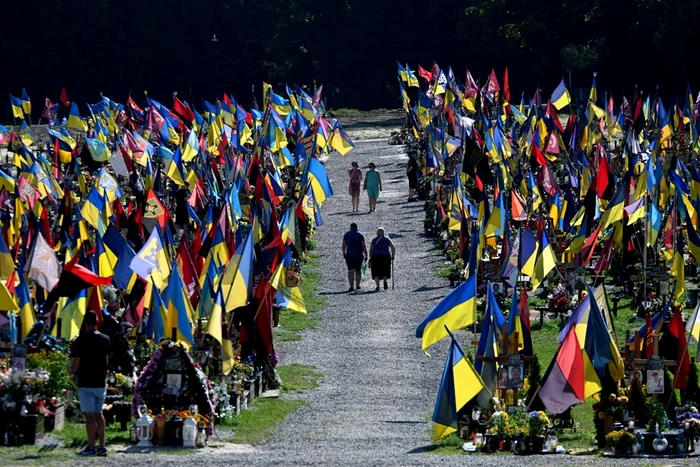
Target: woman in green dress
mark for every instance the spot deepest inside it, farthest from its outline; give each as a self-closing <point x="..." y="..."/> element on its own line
<point x="373" y="185"/>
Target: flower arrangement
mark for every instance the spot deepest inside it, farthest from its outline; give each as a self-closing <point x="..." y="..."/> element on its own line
<point x="196" y="388"/>
<point x="55" y="364"/>
<point x="202" y="421"/>
<point x="619" y="440"/>
<point x="125" y="383"/>
<point x="536" y="423"/>
<point x="13" y="381"/>
<point x="500" y="423"/>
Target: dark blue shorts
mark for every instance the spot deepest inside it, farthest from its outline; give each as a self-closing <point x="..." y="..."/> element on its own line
<point x="354" y="262"/>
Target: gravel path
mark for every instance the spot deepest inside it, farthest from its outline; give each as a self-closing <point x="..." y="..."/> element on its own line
<point x="374" y="404"/>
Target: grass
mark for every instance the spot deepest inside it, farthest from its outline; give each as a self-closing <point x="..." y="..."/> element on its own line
<point x="73" y="435"/>
<point x="255" y="425"/>
<point x="344" y="112"/>
<point x="293" y="322"/>
<point x="298" y="378"/>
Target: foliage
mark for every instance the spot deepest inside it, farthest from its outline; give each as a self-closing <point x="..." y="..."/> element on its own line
<point x="670" y="394"/>
<point x="534" y="379"/>
<point x="58" y="365"/>
<point x="656" y="414"/>
<point x="536" y="423"/>
<point x="691" y="393"/>
<point x="619" y="440"/>
<point x="430" y="210"/>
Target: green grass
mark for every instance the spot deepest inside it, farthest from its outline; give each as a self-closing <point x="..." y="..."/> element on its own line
<point x="256" y="425"/>
<point x="73" y="435"/>
<point x="344" y="112"/>
<point x="445" y="270"/>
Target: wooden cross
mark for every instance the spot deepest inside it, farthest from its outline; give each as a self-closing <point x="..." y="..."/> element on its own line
<point x="507" y="343"/>
<point x="633" y="358"/>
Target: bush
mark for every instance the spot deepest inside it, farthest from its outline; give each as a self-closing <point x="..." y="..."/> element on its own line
<point x="691" y="394"/>
<point x="58" y="365"/>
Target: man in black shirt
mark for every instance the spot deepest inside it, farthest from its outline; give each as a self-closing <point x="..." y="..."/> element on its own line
<point x="89" y="355"/>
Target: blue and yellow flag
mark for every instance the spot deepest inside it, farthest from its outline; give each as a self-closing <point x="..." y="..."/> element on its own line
<point x="238" y="275"/>
<point x="157" y="315"/>
<point x="74" y="119"/>
<point x="316" y="174"/>
<point x="561" y="97"/>
<point x="180" y="312"/>
<point x="288" y="295"/>
<point x="26" y="311"/>
<point x="460" y="384"/>
<point x="456" y="311"/>
<point x="17" y="110"/>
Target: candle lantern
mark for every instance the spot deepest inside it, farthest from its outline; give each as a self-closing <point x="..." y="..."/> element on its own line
<point x="189" y="433"/>
<point x="144" y="427"/>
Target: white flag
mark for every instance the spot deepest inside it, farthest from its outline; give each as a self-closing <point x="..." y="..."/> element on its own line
<point x="44" y="268"/>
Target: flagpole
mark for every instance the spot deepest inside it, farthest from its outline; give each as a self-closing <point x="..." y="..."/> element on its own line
<point x="646" y="240"/>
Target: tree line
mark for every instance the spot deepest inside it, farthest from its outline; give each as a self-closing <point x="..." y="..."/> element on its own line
<point x="351" y="46"/>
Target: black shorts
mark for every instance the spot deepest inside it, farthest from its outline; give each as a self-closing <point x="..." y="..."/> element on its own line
<point x="354" y="262"/>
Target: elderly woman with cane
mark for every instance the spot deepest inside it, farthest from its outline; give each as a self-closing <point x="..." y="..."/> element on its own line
<point x="381" y="255"/>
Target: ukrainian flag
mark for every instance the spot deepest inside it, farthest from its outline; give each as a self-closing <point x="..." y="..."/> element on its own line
<point x="546" y="261"/>
<point x="238" y="274"/>
<point x="157" y="315"/>
<point x="64" y="145"/>
<point x="216" y="317"/>
<point x="460" y="383"/>
<point x="72" y="314"/>
<point x="288" y="297"/>
<point x="678" y="270"/>
<point x="561" y="97"/>
<point x="316" y="174"/>
<point x="17" y="110"/>
<point x="26" y="311"/>
<point x="106" y="259"/>
<point x="93" y="209"/>
<point x="456" y="311"/>
<point x="340" y="141"/>
<point x="529" y="249"/>
<point x="191" y="148"/>
<point x="7" y="263"/>
<point x="74" y="120"/>
<point x="179" y="308"/>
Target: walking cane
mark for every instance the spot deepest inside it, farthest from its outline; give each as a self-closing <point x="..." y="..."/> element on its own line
<point x="392" y="273"/>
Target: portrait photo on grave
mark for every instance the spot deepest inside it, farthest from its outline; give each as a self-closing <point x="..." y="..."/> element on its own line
<point x="503" y="378"/>
<point x="515" y="377"/>
<point x="655" y="382"/>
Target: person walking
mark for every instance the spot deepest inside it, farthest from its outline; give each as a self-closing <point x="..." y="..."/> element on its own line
<point x="355" y="253"/>
<point x="355" y="182"/>
<point x="381" y="253"/>
<point x="89" y="354"/>
<point x="373" y="185"/>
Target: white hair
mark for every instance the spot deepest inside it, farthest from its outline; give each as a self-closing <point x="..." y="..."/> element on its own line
<point x="381" y="231"/>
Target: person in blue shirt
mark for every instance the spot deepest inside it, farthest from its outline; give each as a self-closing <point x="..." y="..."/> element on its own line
<point x="355" y="253"/>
